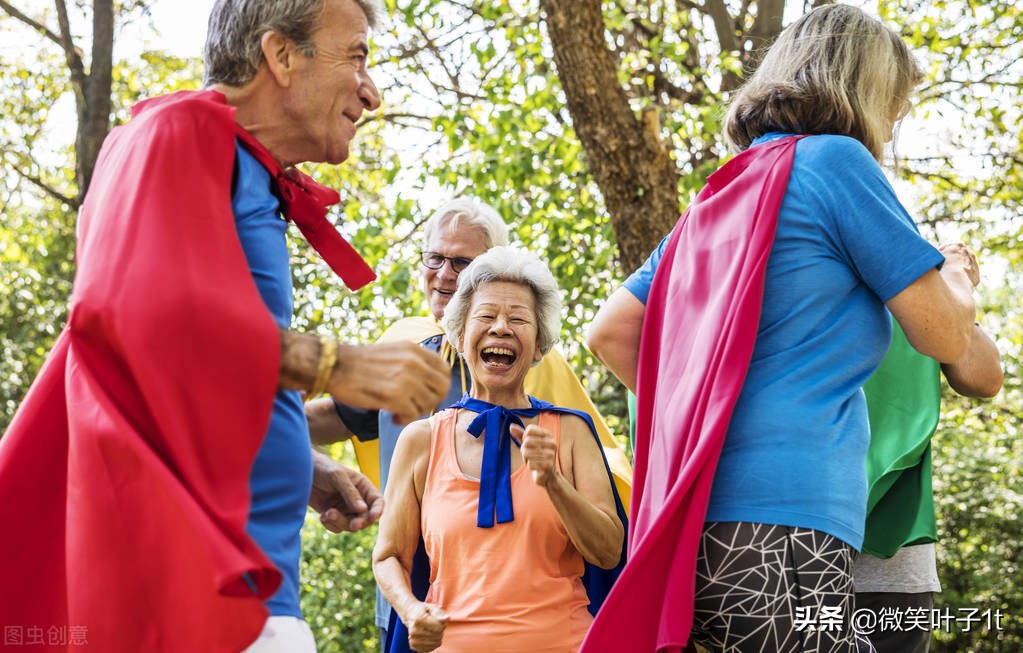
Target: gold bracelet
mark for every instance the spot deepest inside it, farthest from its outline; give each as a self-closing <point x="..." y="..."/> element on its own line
<point x="328" y="358"/>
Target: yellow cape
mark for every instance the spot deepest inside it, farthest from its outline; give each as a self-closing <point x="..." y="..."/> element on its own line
<point x="551" y="380"/>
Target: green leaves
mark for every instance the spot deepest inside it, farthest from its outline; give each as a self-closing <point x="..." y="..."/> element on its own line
<point x="337" y="588"/>
<point x="36" y="251"/>
<point x="978" y="474"/>
<point x="473" y="105"/>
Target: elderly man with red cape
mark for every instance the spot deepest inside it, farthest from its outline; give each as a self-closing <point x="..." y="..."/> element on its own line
<point x="128" y="476"/>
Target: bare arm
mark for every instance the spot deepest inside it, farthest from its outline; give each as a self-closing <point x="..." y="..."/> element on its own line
<point x="399" y="537"/>
<point x="937" y="310"/>
<point x="978" y="372"/>
<point x="614" y="335"/>
<point x="400" y="377"/>
<point x="585" y="504"/>
<point x="325" y="425"/>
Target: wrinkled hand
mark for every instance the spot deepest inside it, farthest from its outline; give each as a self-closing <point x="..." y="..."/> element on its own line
<point x="345" y="498"/>
<point x="400" y="377"/>
<point x="426" y="623"/>
<point x="959" y="255"/>
<point x="539" y="452"/>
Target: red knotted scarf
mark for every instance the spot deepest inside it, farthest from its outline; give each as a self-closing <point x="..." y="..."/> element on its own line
<point x="305" y="202"/>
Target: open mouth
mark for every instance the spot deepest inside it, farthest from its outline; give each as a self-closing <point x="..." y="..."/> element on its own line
<point x="497" y="357"/>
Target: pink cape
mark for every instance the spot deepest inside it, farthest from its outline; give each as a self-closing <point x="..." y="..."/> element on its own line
<point x="699" y="329"/>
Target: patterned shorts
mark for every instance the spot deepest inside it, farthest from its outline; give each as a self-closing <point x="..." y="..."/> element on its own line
<point x="774" y="589"/>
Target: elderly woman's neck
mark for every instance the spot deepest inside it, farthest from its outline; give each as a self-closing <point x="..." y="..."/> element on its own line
<point x="508" y="399"/>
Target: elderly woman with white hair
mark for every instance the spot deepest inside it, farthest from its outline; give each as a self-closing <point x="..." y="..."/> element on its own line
<point x="510" y="494"/>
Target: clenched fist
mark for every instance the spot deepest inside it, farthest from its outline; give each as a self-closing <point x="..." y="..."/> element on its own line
<point x="959" y="255"/>
<point x="426" y="623"/>
<point x="539" y="452"/>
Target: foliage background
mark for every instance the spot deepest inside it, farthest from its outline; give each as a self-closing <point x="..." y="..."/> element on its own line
<point x="474" y="104"/>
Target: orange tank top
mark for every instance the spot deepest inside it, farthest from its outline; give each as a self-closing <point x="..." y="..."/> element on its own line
<point x="512" y="588"/>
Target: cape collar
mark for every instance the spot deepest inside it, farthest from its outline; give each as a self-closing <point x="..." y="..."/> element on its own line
<point x="495" y="472"/>
<point x="303" y="200"/>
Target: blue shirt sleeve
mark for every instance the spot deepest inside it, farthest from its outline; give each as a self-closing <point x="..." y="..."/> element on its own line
<point x="639" y="281"/>
<point x="873" y="233"/>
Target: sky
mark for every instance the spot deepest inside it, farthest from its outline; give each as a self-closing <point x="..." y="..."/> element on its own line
<point x="181" y="27"/>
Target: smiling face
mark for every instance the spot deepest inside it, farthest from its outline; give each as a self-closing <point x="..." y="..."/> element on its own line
<point x="329" y="91"/>
<point x="440" y="284"/>
<point x="499" y="342"/>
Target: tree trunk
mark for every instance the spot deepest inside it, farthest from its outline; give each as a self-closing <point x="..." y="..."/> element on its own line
<point x="635" y="173"/>
<point x="92" y="89"/>
<point x="94" y="112"/>
<point x="767" y="25"/>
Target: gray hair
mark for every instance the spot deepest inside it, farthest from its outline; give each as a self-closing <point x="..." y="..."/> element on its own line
<point x="835" y="70"/>
<point x="233" y="52"/>
<point x="505" y="263"/>
<point x="466" y="212"/>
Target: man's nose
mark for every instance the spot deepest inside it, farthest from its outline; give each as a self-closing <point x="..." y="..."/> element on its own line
<point x="368" y="93"/>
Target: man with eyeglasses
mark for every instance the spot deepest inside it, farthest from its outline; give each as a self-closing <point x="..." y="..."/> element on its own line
<point x="457" y="233"/>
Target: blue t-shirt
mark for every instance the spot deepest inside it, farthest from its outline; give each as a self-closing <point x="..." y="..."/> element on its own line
<point x="795" y="449"/>
<point x="282" y="474"/>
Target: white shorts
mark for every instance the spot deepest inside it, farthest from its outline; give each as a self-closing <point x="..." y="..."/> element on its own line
<point x="284" y="635"/>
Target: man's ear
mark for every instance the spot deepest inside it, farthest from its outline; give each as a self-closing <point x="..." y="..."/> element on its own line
<point x="279" y="54"/>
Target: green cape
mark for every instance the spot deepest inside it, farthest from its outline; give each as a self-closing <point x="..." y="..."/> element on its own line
<point x="903" y="401"/>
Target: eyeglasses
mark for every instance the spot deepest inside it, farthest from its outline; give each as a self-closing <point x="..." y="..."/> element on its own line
<point x="435" y="261"/>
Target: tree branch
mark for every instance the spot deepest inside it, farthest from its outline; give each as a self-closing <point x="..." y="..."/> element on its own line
<point x="37" y="26"/>
<point x="724" y="26"/>
<point x="36" y="181"/>
<point x="767" y="24"/>
<point x="102" y="59"/>
<point x="393" y="116"/>
<point x="415" y="227"/>
<point x="74" y="60"/>
<point x="98" y="103"/>
<point x="436" y="51"/>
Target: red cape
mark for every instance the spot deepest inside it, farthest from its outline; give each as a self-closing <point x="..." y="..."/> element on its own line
<point x="124" y="474"/>
<point x="699" y="329"/>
